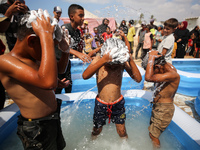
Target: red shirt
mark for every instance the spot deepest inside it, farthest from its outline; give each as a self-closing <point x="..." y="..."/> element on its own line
<point x="190" y="42"/>
<point x="106" y="36"/>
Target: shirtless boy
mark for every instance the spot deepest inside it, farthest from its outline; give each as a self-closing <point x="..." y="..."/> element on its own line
<point x="29" y="75"/>
<point x="109" y="102"/>
<point x="166" y="80"/>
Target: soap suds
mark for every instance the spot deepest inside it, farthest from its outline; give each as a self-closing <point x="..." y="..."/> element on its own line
<point x="117" y="49"/>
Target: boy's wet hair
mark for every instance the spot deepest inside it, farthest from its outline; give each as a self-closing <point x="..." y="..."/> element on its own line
<point x="158" y="61"/>
<point x="172" y="23"/>
<point x="22" y="30"/>
<point x="73" y="7"/>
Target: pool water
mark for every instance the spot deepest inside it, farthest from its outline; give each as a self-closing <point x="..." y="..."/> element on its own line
<point x="77" y="125"/>
<point x="187" y="66"/>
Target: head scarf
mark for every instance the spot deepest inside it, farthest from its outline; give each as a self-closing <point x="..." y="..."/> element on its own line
<point x="185" y="25"/>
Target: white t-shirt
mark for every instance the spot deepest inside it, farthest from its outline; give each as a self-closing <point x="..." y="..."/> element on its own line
<point x="168" y="43"/>
<point x="60" y="22"/>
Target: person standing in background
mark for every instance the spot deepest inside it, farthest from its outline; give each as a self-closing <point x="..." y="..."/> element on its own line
<point x="12" y="10"/>
<point x="76" y="15"/>
<point x="57" y="11"/>
<point x="123" y="27"/>
<point x="96" y="40"/>
<point x="103" y="27"/>
<point x="148" y="42"/>
<point x="140" y="39"/>
<point x="131" y="34"/>
<point x="182" y="34"/>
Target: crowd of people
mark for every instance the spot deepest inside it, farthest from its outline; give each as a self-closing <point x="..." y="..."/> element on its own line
<point x="38" y="67"/>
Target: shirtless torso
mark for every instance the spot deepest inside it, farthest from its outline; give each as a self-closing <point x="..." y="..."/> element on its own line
<point x="33" y="102"/>
<point x="164" y="92"/>
<point x="109" y="81"/>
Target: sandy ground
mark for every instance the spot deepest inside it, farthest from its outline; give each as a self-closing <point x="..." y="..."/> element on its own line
<point x="186" y="103"/>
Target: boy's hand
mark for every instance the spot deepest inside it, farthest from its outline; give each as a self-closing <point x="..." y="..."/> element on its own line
<point x="63" y="83"/>
<point x="84" y="57"/>
<point x="42" y="26"/>
<point x="16" y="7"/>
<point x="121" y="33"/>
<point x="107" y="57"/>
<point x="154" y="53"/>
<point x="65" y="42"/>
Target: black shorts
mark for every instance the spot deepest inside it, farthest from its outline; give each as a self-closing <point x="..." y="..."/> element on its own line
<point x="115" y="112"/>
<point x="41" y="134"/>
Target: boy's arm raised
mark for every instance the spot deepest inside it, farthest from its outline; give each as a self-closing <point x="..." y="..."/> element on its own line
<point x="46" y="76"/>
<point x="95" y="65"/>
<point x="132" y="70"/>
<point x="150" y="75"/>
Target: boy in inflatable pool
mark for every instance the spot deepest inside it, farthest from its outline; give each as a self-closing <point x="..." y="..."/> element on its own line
<point x="29" y="75"/>
<point x="109" y="67"/>
<point x="166" y="80"/>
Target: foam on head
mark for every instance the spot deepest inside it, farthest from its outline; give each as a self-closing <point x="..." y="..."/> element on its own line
<point x="33" y="15"/>
<point x="117" y="49"/>
<point x="158" y="61"/>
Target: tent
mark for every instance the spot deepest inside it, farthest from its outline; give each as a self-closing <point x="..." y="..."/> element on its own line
<point x="93" y="21"/>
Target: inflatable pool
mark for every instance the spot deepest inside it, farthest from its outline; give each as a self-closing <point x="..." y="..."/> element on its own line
<point x="197" y="103"/>
<point x="189" y="71"/>
<point x="185" y="129"/>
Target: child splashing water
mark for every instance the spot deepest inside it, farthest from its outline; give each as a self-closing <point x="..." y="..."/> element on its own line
<point x="109" y="67"/>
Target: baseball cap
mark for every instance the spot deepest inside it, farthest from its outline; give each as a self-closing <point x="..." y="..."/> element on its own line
<point x="85" y="21"/>
<point x="57" y="9"/>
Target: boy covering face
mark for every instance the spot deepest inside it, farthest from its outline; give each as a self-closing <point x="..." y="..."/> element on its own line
<point x="109" y="67"/>
<point x="29" y="75"/>
<point x="166" y="80"/>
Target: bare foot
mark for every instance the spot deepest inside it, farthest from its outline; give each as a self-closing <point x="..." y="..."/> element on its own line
<point x="155" y="141"/>
<point x="96" y="132"/>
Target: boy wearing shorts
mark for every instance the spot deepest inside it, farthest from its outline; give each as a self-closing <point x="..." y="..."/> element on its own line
<point x="166" y="80"/>
<point x="109" y="69"/>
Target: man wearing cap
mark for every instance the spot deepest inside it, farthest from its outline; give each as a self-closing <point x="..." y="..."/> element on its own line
<point x="140" y="39"/>
<point x="85" y="27"/>
<point x="57" y="11"/>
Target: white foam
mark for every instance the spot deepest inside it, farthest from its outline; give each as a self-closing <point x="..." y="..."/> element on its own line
<point x="58" y="32"/>
<point x="117" y="49"/>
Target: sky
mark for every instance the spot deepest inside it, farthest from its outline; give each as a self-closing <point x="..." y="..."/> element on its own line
<point x="126" y="9"/>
